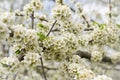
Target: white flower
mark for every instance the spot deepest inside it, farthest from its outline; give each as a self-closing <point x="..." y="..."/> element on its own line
<point x="98" y="36"/>
<point x="96" y="56"/>
<point x="79" y="72"/>
<point x="9" y="61"/>
<point x="112" y="34"/>
<point x="32" y="6"/>
<point x="18" y="32"/>
<point x="115" y="57"/>
<point x="31" y="58"/>
<point x="4" y="31"/>
<point x="25" y="38"/>
<point x="61" y="12"/>
<point x="55" y="49"/>
<point x="7" y="17"/>
<point x="85" y="74"/>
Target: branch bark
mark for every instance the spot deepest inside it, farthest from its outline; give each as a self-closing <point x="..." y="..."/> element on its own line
<point x="110" y="11"/>
<point x="51" y="28"/>
<point x="42" y="65"/>
<point x="87" y="55"/>
<point x="32" y="20"/>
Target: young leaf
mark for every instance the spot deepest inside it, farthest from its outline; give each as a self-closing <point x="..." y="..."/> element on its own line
<point x="118" y="25"/>
<point x="101" y="26"/>
<point x="41" y="36"/>
<point x="17" y="52"/>
<point x="41" y="26"/>
<point x="4" y="65"/>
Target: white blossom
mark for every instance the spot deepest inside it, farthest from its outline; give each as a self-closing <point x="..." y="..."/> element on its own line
<point x="4" y="31"/>
<point x="32" y="6"/>
<point x="97" y="56"/>
<point x="31" y="58"/>
<point x="61" y="12"/>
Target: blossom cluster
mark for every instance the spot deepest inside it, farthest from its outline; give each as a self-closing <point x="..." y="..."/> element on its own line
<point x="61" y="12"/>
<point x="6" y="19"/>
<point x="24" y="38"/>
<point x="32" y="6"/>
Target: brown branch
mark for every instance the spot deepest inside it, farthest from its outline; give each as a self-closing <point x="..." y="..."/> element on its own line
<point x="88" y="29"/>
<point x="42" y="65"/>
<point x="72" y="9"/>
<point x="32" y="20"/>
<point x="85" y="19"/>
<point x="55" y="30"/>
<point x="41" y="19"/>
<point x="110" y="9"/>
<point x="87" y="55"/>
<point x="51" y="28"/>
<point x="48" y="68"/>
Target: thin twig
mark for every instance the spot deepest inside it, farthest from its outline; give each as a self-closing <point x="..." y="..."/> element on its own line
<point x="85" y="19"/>
<point x="42" y="65"/>
<point x="110" y="11"/>
<point x="83" y="16"/>
<point x="90" y="29"/>
<point x="32" y="20"/>
<point x="34" y="17"/>
<point x="43" y="19"/>
<point x="48" y="68"/>
<point x="55" y="30"/>
<point x="73" y="10"/>
<point x="87" y="55"/>
<point x="51" y="28"/>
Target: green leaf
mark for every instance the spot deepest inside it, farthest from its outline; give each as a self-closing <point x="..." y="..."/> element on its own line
<point x="118" y="25"/>
<point x="101" y="26"/>
<point x="41" y="26"/>
<point x="95" y="23"/>
<point x="4" y="65"/>
<point x="17" y="52"/>
<point x="41" y="36"/>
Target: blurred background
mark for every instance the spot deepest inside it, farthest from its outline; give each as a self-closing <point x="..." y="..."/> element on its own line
<point x="93" y="9"/>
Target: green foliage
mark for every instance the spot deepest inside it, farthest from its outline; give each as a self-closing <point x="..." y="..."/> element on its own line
<point x="118" y="25"/>
<point x="41" y="36"/>
<point x="101" y="26"/>
<point x="4" y="65"/>
<point x="41" y="26"/>
<point x="17" y="52"/>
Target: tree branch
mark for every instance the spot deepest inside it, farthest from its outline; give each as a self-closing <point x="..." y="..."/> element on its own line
<point x="87" y="55"/>
<point x="110" y="11"/>
<point x="42" y="65"/>
<point x="51" y="28"/>
<point x="48" y="68"/>
<point x="85" y="19"/>
<point x="32" y="20"/>
<point x="34" y="17"/>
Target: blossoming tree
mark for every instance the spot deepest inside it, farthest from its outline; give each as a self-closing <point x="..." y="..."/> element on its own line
<point x="63" y="46"/>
